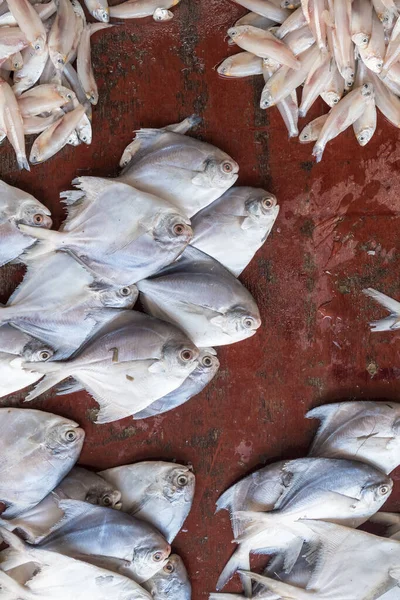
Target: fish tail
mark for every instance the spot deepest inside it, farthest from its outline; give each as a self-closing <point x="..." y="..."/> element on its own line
<point x="20" y="591"/>
<point x="94" y="27"/>
<point x="240" y="559"/>
<point x="388" y="323"/>
<point x="224" y="502"/>
<point x="23" y="163"/>
<point x="49" y="240"/>
<point x="284" y="590"/>
<point x="252" y="522"/>
<point x="53" y="372"/>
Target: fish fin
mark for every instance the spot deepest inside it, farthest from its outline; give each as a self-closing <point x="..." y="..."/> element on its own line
<point x="394" y="573"/>
<point x="247" y="223"/>
<point x="12" y="540"/>
<point x="95" y="27"/>
<point x="389" y="303"/>
<point x="224" y="502"/>
<point x="322" y="412"/>
<point x="185" y="125"/>
<point x="240" y="559"/>
<point x="284" y="590"/>
<point x="49" y="240"/>
<point x="110" y="412"/>
<point x="92" y="187"/>
<point x="69" y="387"/>
<point x="48" y="381"/>
<point x="219" y="321"/>
<point x="157" y="367"/>
<point x="71" y="197"/>
<point x="71" y="509"/>
<point x="129" y="152"/>
<point x="23" y="163"/>
<point x="201" y="180"/>
<point x="144" y="139"/>
<point x="21" y="592"/>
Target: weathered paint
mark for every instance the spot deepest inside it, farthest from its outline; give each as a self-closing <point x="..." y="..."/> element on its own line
<point x="315" y="345"/>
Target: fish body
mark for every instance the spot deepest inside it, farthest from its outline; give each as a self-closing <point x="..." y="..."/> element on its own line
<point x="204" y="299"/>
<point x="263" y="44"/>
<point x="12" y="123"/>
<point x="363" y="430"/>
<point x="118" y="233"/>
<point x="37" y="451"/>
<point x="267" y="9"/>
<point x="84" y="62"/>
<point x="32" y="68"/>
<point x="157" y="492"/>
<point x="184" y="171"/>
<point x="312" y="131"/>
<point x="235" y="226"/>
<point x="62" y="304"/>
<point x="208" y="365"/>
<point x="44" y="98"/>
<point x="62" y="34"/>
<point x="131" y="362"/>
<point x="110" y="538"/>
<point x="139" y="9"/>
<point x="243" y="64"/>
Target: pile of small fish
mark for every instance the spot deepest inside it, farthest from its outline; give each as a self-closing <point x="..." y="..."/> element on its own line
<point x="305" y="512"/>
<point x="73" y="533"/>
<point x="345" y="51"/>
<point x="41" y="92"/>
<point x="70" y="318"/>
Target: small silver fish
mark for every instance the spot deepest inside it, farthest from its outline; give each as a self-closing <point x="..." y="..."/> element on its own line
<point x="171" y="581"/>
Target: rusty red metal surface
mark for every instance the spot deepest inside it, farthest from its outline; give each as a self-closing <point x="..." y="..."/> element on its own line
<point x="337" y="232"/>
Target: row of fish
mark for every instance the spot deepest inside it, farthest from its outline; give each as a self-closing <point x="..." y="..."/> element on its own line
<point x="41" y="92"/>
<point x="68" y="527"/>
<point x="344" y="51"/>
<point x="305" y="512"/>
<point x="172" y="229"/>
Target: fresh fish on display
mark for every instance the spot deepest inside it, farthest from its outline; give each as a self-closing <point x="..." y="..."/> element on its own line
<point x="138" y="9"/>
<point x="159" y="493"/>
<point x="130" y="363"/>
<point x="30" y="572"/>
<point x="235" y="226"/>
<point x="171" y="581"/>
<point x="19" y="208"/>
<point x="37" y="451"/>
<point x="109" y="538"/>
<point x="243" y="64"/>
<point x="184" y="171"/>
<point x="117" y="232"/>
<point x="79" y="484"/>
<point x="204" y="299"/>
<point x="61" y="303"/>
<point x="362" y="430"/>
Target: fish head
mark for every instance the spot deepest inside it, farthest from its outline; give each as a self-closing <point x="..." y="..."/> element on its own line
<point x="36" y="155"/>
<point x="224" y="69"/>
<point x="235" y="32"/>
<point x="58" y="59"/>
<point x="305" y="135"/>
<point x="266" y="99"/>
<point x="162" y="14"/>
<point x="332" y="98"/>
<point x="84" y="130"/>
<point x="171" y="581"/>
<point x="172" y="229"/>
<point x="238" y="320"/>
<point x="367" y="90"/>
<point x="64" y="438"/>
<point x="36" y="351"/>
<point x="180" y="358"/>
<point x="104" y="495"/>
<point x="208" y="362"/>
<point x="375" y="63"/>
<point x="117" y="297"/>
<point x="102" y="13"/>
<point x="17" y="62"/>
<point x="219" y="172"/>
<point x="179" y="484"/>
<point x="376" y="491"/>
<point x="149" y="556"/>
<point x="33" y="213"/>
<point x="65" y="93"/>
<point x="361" y="39"/>
<point x="261" y="206"/>
<point x="364" y="136"/>
<point x="39" y="45"/>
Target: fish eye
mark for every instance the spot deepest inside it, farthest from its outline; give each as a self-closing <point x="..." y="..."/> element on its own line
<point x="383" y="489"/>
<point x="84" y="138"/>
<point x="304" y="136"/>
<point x="179" y="229"/>
<point x="37" y="47"/>
<point x="182" y="480"/>
<point x="248" y="322"/>
<point x="365" y="40"/>
<point x="38" y="218"/>
<point x="107" y="501"/>
<point x="60" y="61"/>
<point x="44" y="355"/>
<point x="227" y="167"/>
<point x="186" y="355"/>
<point x="169" y="568"/>
<point x="267" y="203"/>
<point x="70" y="435"/>
<point x="335" y="100"/>
<point x="69" y="96"/>
<point x="207" y="361"/>
<point x="157" y="556"/>
<point x="125" y="291"/>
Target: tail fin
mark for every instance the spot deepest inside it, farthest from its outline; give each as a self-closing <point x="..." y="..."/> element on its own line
<point x="388" y="323"/>
<point x="23" y="163"/>
<point x="250" y="523"/>
<point x="53" y="371"/>
<point x="284" y="590"/>
<point x="240" y="559"/>
<point x="49" y="240"/>
<point x="224" y="502"/>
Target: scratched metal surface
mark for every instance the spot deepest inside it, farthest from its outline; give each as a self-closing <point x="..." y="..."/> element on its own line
<point x="337" y="232"/>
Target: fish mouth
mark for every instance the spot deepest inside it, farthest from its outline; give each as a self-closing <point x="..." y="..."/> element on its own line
<point x="118" y="506"/>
